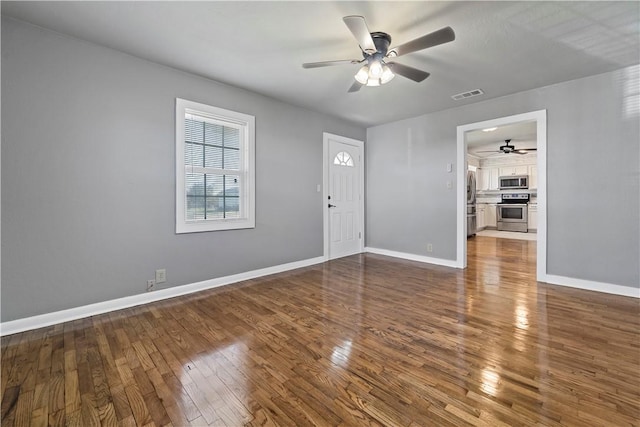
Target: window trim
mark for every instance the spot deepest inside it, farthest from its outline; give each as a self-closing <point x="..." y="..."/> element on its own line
<point x="246" y="124"/>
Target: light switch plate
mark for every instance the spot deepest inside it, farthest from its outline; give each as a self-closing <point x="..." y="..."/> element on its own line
<point x="161" y="275"/>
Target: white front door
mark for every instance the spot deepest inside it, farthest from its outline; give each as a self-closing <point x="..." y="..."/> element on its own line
<point x="344" y="196"/>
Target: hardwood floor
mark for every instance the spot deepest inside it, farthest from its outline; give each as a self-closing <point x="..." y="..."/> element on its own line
<point x="363" y="340"/>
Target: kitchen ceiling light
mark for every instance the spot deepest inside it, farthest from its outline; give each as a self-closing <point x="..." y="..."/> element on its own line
<point x="489" y="129"/>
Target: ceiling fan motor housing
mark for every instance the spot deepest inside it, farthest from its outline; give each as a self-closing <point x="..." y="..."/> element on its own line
<point x="507" y="148"/>
<point x="382" y="42"/>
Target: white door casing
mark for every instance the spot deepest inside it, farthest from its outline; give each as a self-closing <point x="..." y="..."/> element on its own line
<point x="343" y="196"/>
<point x="540" y="117"/>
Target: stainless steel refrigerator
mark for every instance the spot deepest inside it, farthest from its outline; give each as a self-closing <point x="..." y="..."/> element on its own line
<point x="471" y="204"/>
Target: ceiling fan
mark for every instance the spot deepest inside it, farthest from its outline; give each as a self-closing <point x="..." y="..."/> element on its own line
<point x="377" y="69"/>
<point x="507" y="148"/>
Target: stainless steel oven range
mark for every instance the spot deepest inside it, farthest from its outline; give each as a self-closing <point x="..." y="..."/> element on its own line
<point x="512" y="213"/>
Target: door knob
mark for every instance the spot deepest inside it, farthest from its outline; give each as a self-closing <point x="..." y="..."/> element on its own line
<point x="331" y="206"/>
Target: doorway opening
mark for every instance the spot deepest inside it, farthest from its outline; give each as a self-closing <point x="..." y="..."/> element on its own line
<point x="538" y="120"/>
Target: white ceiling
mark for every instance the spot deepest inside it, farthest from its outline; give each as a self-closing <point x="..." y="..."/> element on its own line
<point x="522" y="135"/>
<point x="500" y="47"/>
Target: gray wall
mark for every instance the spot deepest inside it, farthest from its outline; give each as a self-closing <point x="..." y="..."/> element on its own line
<point x="88" y="176"/>
<point x="593" y="163"/>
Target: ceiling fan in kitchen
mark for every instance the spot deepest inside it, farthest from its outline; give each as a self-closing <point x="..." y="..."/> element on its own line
<point x="378" y="67"/>
<point x="507" y="148"/>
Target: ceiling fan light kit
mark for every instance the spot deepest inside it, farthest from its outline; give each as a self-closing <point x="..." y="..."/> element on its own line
<point x="375" y="69"/>
<point x="375" y="49"/>
<point x="362" y="76"/>
<point x="375" y="74"/>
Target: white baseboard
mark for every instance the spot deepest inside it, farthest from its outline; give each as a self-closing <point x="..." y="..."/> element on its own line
<point x="589" y="285"/>
<point x="48" y="319"/>
<point x="413" y="257"/>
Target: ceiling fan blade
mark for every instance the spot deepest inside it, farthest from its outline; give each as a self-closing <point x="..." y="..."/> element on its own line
<point x="408" y="72"/>
<point x="329" y="63"/>
<point x="358" y="27"/>
<point x="443" y="35"/>
<point x="524" y="150"/>
<point x="355" y="87"/>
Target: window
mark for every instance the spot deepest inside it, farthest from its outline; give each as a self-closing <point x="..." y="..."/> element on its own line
<point x="214" y="168"/>
<point x="343" y="159"/>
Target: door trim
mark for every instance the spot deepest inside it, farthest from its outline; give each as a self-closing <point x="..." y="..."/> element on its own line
<point x="325" y="187"/>
<point x="540" y="117"/>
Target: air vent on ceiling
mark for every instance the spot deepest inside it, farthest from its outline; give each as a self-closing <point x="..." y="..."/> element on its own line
<point x="469" y="94"/>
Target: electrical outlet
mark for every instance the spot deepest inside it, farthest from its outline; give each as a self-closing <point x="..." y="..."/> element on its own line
<point x="151" y="285"/>
<point x="161" y="275"/>
<point x="429" y="247"/>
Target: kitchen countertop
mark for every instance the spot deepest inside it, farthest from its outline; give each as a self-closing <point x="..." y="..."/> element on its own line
<point x="496" y="200"/>
<point x="531" y="191"/>
<point x="495" y="196"/>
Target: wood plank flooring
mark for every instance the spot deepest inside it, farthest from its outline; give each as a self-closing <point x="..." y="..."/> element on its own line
<point x="363" y="340"/>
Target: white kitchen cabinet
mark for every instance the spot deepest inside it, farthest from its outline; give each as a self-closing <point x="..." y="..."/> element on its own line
<point x="490" y="220"/>
<point x="480" y="214"/>
<point x="533" y="176"/>
<point x="488" y="179"/>
<point x="514" y="170"/>
<point x="479" y="178"/>
<point x="494" y="182"/>
<point x="533" y="217"/>
<point x="482" y="180"/>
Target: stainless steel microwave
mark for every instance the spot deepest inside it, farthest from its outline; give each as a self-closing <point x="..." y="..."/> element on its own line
<point x="512" y="182"/>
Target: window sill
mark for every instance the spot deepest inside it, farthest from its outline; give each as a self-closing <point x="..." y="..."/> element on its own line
<point x="217" y="225"/>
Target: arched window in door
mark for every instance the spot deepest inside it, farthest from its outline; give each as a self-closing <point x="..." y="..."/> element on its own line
<point x="343" y="159"/>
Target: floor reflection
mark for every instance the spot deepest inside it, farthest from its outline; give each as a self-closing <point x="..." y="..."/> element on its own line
<point x="521" y="317"/>
<point x="490" y="381"/>
<point x="341" y="353"/>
